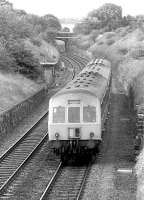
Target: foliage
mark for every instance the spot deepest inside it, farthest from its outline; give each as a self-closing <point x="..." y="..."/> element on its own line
<point x="36" y="42"/>
<point x="15" y="27"/>
<point x="50" y="22"/>
<point x="82" y="28"/>
<point x="109" y="15"/>
<point x="110" y="42"/>
<point x="107" y="11"/>
<point x="25" y="60"/>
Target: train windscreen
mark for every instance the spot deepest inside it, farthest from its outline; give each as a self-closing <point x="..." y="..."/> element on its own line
<point x="59" y="114"/>
<point x="89" y="114"/>
<point x="74" y="114"/>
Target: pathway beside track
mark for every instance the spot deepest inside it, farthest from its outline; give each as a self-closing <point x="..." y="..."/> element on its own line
<point x="112" y="176"/>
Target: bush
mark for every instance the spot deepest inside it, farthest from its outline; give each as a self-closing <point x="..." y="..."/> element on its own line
<point x="100" y="43"/>
<point x="82" y="28"/>
<point x="50" y="22"/>
<point x="110" y="42"/>
<point x="123" y="51"/>
<point x="26" y="63"/>
<point x="109" y="35"/>
<point x="109" y="15"/>
<point x="7" y="62"/>
<point x="36" y="42"/>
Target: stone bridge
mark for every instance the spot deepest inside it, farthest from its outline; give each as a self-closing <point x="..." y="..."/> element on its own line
<point x="65" y="36"/>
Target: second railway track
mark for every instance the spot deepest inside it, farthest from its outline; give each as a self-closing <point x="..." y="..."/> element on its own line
<point x="79" y="59"/>
<point x="76" y="63"/>
<point x="17" y="155"/>
<point x="73" y="66"/>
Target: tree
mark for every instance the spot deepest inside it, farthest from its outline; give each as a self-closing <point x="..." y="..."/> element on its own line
<point x="82" y="28"/>
<point x="27" y="64"/>
<point x="6" y="4"/>
<point x="107" y="15"/>
<point x="50" y="22"/>
<point x="128" y="21"/>
<point x="107" y="11"/>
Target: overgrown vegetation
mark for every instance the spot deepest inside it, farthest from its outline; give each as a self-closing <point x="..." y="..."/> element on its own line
<point x="16" y="27"/>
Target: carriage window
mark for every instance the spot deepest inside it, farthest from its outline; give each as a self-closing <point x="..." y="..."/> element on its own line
<point x="89" y="114"/>
<point x="74" y="114"/>
<point x="59" y="114"/>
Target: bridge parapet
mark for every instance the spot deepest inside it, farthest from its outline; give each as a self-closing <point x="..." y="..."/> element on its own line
<point x="65" y="35"/>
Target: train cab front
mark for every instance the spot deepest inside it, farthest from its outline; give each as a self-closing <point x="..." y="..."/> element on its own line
<point x="76" y="126"/>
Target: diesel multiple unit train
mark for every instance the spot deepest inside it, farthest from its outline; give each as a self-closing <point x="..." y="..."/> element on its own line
<point x="78" y="111"/>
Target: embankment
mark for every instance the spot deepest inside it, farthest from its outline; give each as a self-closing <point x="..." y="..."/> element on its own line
<point x="12" y="116"/>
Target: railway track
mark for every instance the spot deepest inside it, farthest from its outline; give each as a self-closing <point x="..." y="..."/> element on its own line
<point x="18" y="154"/>
<point x="73" y="67"/>
<point x="70" y="64"/>
<point x="76" y="63"/>
<point x="79" y="59"/>
<point x="67" y="183"/>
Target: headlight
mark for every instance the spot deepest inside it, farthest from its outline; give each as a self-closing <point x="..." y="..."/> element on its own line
<point x="57" y="135"/>
<point x="91" y="134"/>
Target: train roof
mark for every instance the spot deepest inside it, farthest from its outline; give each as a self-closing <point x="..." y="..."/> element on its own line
<point x="92" y="80"/>
<point x="98" y="66"/>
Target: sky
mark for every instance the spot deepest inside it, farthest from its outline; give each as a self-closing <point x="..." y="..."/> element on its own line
<point x="75" y="8"/>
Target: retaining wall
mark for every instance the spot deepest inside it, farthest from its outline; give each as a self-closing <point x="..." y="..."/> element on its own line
<point x="11" y="117"/>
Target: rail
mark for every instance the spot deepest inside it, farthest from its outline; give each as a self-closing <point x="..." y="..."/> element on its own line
<point x="14" y="159"/>
<point x="67" y="182"/>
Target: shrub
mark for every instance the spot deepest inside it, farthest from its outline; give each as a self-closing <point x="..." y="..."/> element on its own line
<point x="36" y="42"/>
<point x="110" y="42"/>
<point x="50" y="22"/>
<point x="123" y="51"/>
<point x="27" y="64"/>
<point x="100" y="43"/>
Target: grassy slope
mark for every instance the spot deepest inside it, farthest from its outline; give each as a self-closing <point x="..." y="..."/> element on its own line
<point x="15" y="88"/>
<point x="122" y="48"/>
<point x="45" y="52"/>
